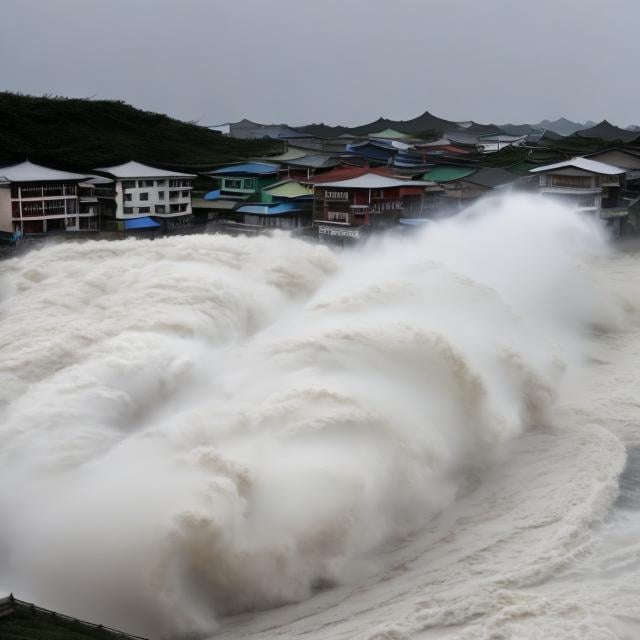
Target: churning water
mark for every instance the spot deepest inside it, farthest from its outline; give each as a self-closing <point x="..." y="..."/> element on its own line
<point x="262" y="438"/>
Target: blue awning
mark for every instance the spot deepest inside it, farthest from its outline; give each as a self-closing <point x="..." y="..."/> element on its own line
<point x="212" y="195"/>
<point x="141" y="223"/>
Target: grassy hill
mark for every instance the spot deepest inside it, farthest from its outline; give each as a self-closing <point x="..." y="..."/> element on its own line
<point x="83" y="134"/>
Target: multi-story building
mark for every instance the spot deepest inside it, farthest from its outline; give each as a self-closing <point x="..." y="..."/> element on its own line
<point x="586" y="185"/>
<point x="344" y="209"/>
<point x="38" y="200"/>
<point x="142" y="191"/>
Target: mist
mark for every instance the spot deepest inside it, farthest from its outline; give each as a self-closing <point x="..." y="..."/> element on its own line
<point x="198" y="426"/>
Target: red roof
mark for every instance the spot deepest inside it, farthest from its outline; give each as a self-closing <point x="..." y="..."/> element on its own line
<point x="347" y="173"/>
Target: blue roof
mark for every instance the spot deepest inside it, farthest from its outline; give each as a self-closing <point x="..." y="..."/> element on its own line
<point x="141" y="223"/>
<point x="212" y="195"/>
<point x="271" y="209"/>
<point x="248" y="168"/>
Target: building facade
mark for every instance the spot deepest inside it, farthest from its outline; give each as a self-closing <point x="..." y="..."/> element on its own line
<point x="583" y="184"/>
<point x="349" y="209"/>
<point x="143" y="191"/>
<point x="36" y="200"/>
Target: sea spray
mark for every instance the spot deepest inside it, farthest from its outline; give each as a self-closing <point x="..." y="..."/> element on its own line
<point x="197" y="426"/>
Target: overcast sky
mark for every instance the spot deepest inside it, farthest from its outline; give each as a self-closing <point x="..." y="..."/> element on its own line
<point x="335" y="61"/>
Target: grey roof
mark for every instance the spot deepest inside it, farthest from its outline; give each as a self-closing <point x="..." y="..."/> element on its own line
<point x="592" y="166"/>
<point x="314" y="161"/>
<point x="134" y="169"/>
<point x="491" y="177"/>
<point x="29" y="172"/>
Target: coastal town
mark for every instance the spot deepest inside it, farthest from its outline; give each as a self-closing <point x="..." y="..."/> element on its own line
<point x="333" y="184"/>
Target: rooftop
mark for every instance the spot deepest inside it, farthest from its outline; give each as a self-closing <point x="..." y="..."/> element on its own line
<point x="373" y="181"/>
<point x="592" y="166"/>
<point x="246" y="169"/>
<point x="29" y="172"/>
<point x="444" y="173"/>
<point x="134" y="169"/>
<point x="288" y="189"/>
<point x="344" y="173"/>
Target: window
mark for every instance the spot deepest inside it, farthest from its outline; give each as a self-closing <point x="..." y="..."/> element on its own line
<point x="145" y="183"/>
<point x="174" y="194"/>
<point x="249" y="184"/>
<point x="161" y="195"/>
<point x="232" y="183"/>
<point x="336" y="195"/>
<point x="144" y="196"/>
<point x="160" y="208"/>
<point x="338" y="216"/>
<point x="71" y="222"/>
<point x="127" y="197"/>
<point x="144" y="210"/>
<point x="128" y="209"/>
<point x="128" y="184"/>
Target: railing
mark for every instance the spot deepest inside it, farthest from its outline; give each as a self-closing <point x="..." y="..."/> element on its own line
<point x="11" y="605"/>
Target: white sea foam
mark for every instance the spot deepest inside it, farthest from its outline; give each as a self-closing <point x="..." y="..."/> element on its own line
<point x="200" y="426"/>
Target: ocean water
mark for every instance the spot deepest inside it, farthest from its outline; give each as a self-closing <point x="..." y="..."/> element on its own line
<point x="428" y="437"/>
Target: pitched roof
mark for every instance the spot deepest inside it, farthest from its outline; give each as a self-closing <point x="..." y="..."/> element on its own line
<point x="447" y="174"/>
<point x="491" y="177"/>
<point x="292" y="153"/>
<point x="314" y="161"/>
<point x="390" y="133"/>
<point x="29" y="172"/>
<point x="246" y="168"/>
<point x="288" y="189"/>
<point x="592" y="166"/>
<point x="135" y="169"/>
<point x="344" y="173"/>
<point x="373" y="181"/>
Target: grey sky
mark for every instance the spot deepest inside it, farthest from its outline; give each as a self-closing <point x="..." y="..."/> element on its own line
<point x="337" y="61"/>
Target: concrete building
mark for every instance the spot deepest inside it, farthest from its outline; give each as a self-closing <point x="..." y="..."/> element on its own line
<point x="36" y="200"/>
<point x="345" y="209"/>
<point x="142" y="191"/>
<point x="586" y="185"/>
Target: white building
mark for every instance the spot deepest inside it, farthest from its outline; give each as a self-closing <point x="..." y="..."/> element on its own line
<point x="587" y="185"/>
<point x="142" y="191"/>
<point x="37" y="200"/>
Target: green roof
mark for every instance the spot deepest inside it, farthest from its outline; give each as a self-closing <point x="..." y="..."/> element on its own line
<point x="390" y="133"/>
<point x="291" y="153"/>
<point x="447" y="174"/>
<point x="290" y="189"/>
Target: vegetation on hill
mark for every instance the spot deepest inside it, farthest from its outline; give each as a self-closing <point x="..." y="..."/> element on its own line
<point x="79" y="134"/>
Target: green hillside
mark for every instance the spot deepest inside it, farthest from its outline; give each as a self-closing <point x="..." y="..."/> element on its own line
<point x="83" y="134"/>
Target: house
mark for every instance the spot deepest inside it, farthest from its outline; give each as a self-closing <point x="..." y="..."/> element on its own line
<point x="628" y="159"/>
<point x="585" y="184"/>
<point x="463" y="184"/>
<point x="346" y="209"/>
<point x="38" y="200"/>
<point x="238" y="183"/>
<point x="147" y="192"/>
<point x="245" y="179"/>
